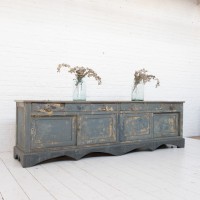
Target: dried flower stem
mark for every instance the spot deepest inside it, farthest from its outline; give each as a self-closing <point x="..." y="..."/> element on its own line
<point x="142" y="76"/>
<point x="80" y="72"/>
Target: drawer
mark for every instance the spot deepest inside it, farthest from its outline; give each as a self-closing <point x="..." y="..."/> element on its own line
<point x="104" y="107"/>
<point x="48" y="107"/>
<point x="76" y="107"/>
<point x="165" y="107"/>
<point x="134" y="107"/>
<point x="151" y="107"/>
<point x="59" y="107"/>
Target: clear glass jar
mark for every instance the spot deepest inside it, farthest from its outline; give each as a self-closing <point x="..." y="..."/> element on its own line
<point x="79" y="90"/>
<point x="138" y="92"/>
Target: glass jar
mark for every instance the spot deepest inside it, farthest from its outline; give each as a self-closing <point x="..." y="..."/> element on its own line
<point x="79" y="90"/>
<point x="138" y="92"/>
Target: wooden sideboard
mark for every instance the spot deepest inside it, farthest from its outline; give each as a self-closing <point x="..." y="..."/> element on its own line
<point x="50" y="129"/>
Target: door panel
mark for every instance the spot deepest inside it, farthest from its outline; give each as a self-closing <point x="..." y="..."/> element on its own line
<point x="135" y="126"/>
<point x="95" y="129"/>
<point x="53" y="131"/>
<point x="166" y="124"/>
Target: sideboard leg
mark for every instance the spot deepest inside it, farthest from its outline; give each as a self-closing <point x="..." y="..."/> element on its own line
<point x="181" y="143"/>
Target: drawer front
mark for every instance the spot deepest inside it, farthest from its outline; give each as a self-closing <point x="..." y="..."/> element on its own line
<point x="53" y="132"/>
<point x="104" y="107"/>
<point x="96" y="129"/>
<point x="59" y="107"/>
<point x="151" y="107"/>
<point x="135" y="126"/>
<point x="134" y="107"/>
<point x="48" y="107"/>
<point x="166" y="124"/>
<point x="77" y="107"/>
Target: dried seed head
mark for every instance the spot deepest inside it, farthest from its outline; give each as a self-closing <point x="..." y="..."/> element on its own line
<point x="80" y="72"/>
<point x="142" y="76"/>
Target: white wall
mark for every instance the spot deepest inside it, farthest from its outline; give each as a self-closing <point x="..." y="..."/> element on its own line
<point x="113" y="37"/>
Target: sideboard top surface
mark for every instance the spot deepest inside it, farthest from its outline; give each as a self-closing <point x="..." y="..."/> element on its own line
<point x="92" y="102"/>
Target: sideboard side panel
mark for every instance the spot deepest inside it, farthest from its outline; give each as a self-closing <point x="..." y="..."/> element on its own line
<point x="27" y="127"/>
<point x="20" y="125"/>
<point x="181" y="121"/>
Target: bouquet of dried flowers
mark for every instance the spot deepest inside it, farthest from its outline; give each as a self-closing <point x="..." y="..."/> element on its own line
<point x="142" y="76"/>
<point x="80" y="72"/>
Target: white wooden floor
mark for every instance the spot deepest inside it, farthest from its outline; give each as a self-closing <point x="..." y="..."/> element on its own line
<point x="164" y="174"/>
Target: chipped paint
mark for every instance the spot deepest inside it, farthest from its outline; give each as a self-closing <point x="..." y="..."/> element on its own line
<point x="46" y="111"/>
<point x="76" y="129"/>
<point x="105" y="108"/>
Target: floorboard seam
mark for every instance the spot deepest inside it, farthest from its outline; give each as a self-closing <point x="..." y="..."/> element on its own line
<point x="62" y="184"/>
<point x="1" y="196"/>
<point x="42" y="185"/>
<point x="15" y="179"/>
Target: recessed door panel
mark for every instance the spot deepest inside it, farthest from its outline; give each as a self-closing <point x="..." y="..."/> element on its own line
<point x="135" y="126"/>
<point x="166" y="124"/>
<point x="95" y="129"/>
<point x="53" y="131"/>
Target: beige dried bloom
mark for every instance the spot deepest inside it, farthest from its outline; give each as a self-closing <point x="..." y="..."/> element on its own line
<point x="80" y="72"/>
<point x="142" y="76"/>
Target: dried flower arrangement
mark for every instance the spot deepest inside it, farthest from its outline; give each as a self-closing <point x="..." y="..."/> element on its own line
<point x="142" y="76"/>
<point x="80" y="72"/>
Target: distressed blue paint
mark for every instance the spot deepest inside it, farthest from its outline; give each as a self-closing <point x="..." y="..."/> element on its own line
<point x="96" y="129"/>
<point x="166" y="124"/>
<point x="53" y="131"/>
<point x="49" y="129"/>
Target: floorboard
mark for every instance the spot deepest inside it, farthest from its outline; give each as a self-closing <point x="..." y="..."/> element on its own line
<point x="33" y="189"/>
<point x="83" y="191"/>
<point x="9" y="187"/>
<point x="51" y="184"/>
<point x="1" y="197"/>
<point x="96" y="184"/>
<point x="164" y="174"/>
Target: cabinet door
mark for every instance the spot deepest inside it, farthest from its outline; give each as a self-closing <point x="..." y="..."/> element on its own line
<point x="135" y="126"/>
<point x="166" y="124"/>
<point x="96" y="129"/>
<point x="53" y="131"/>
